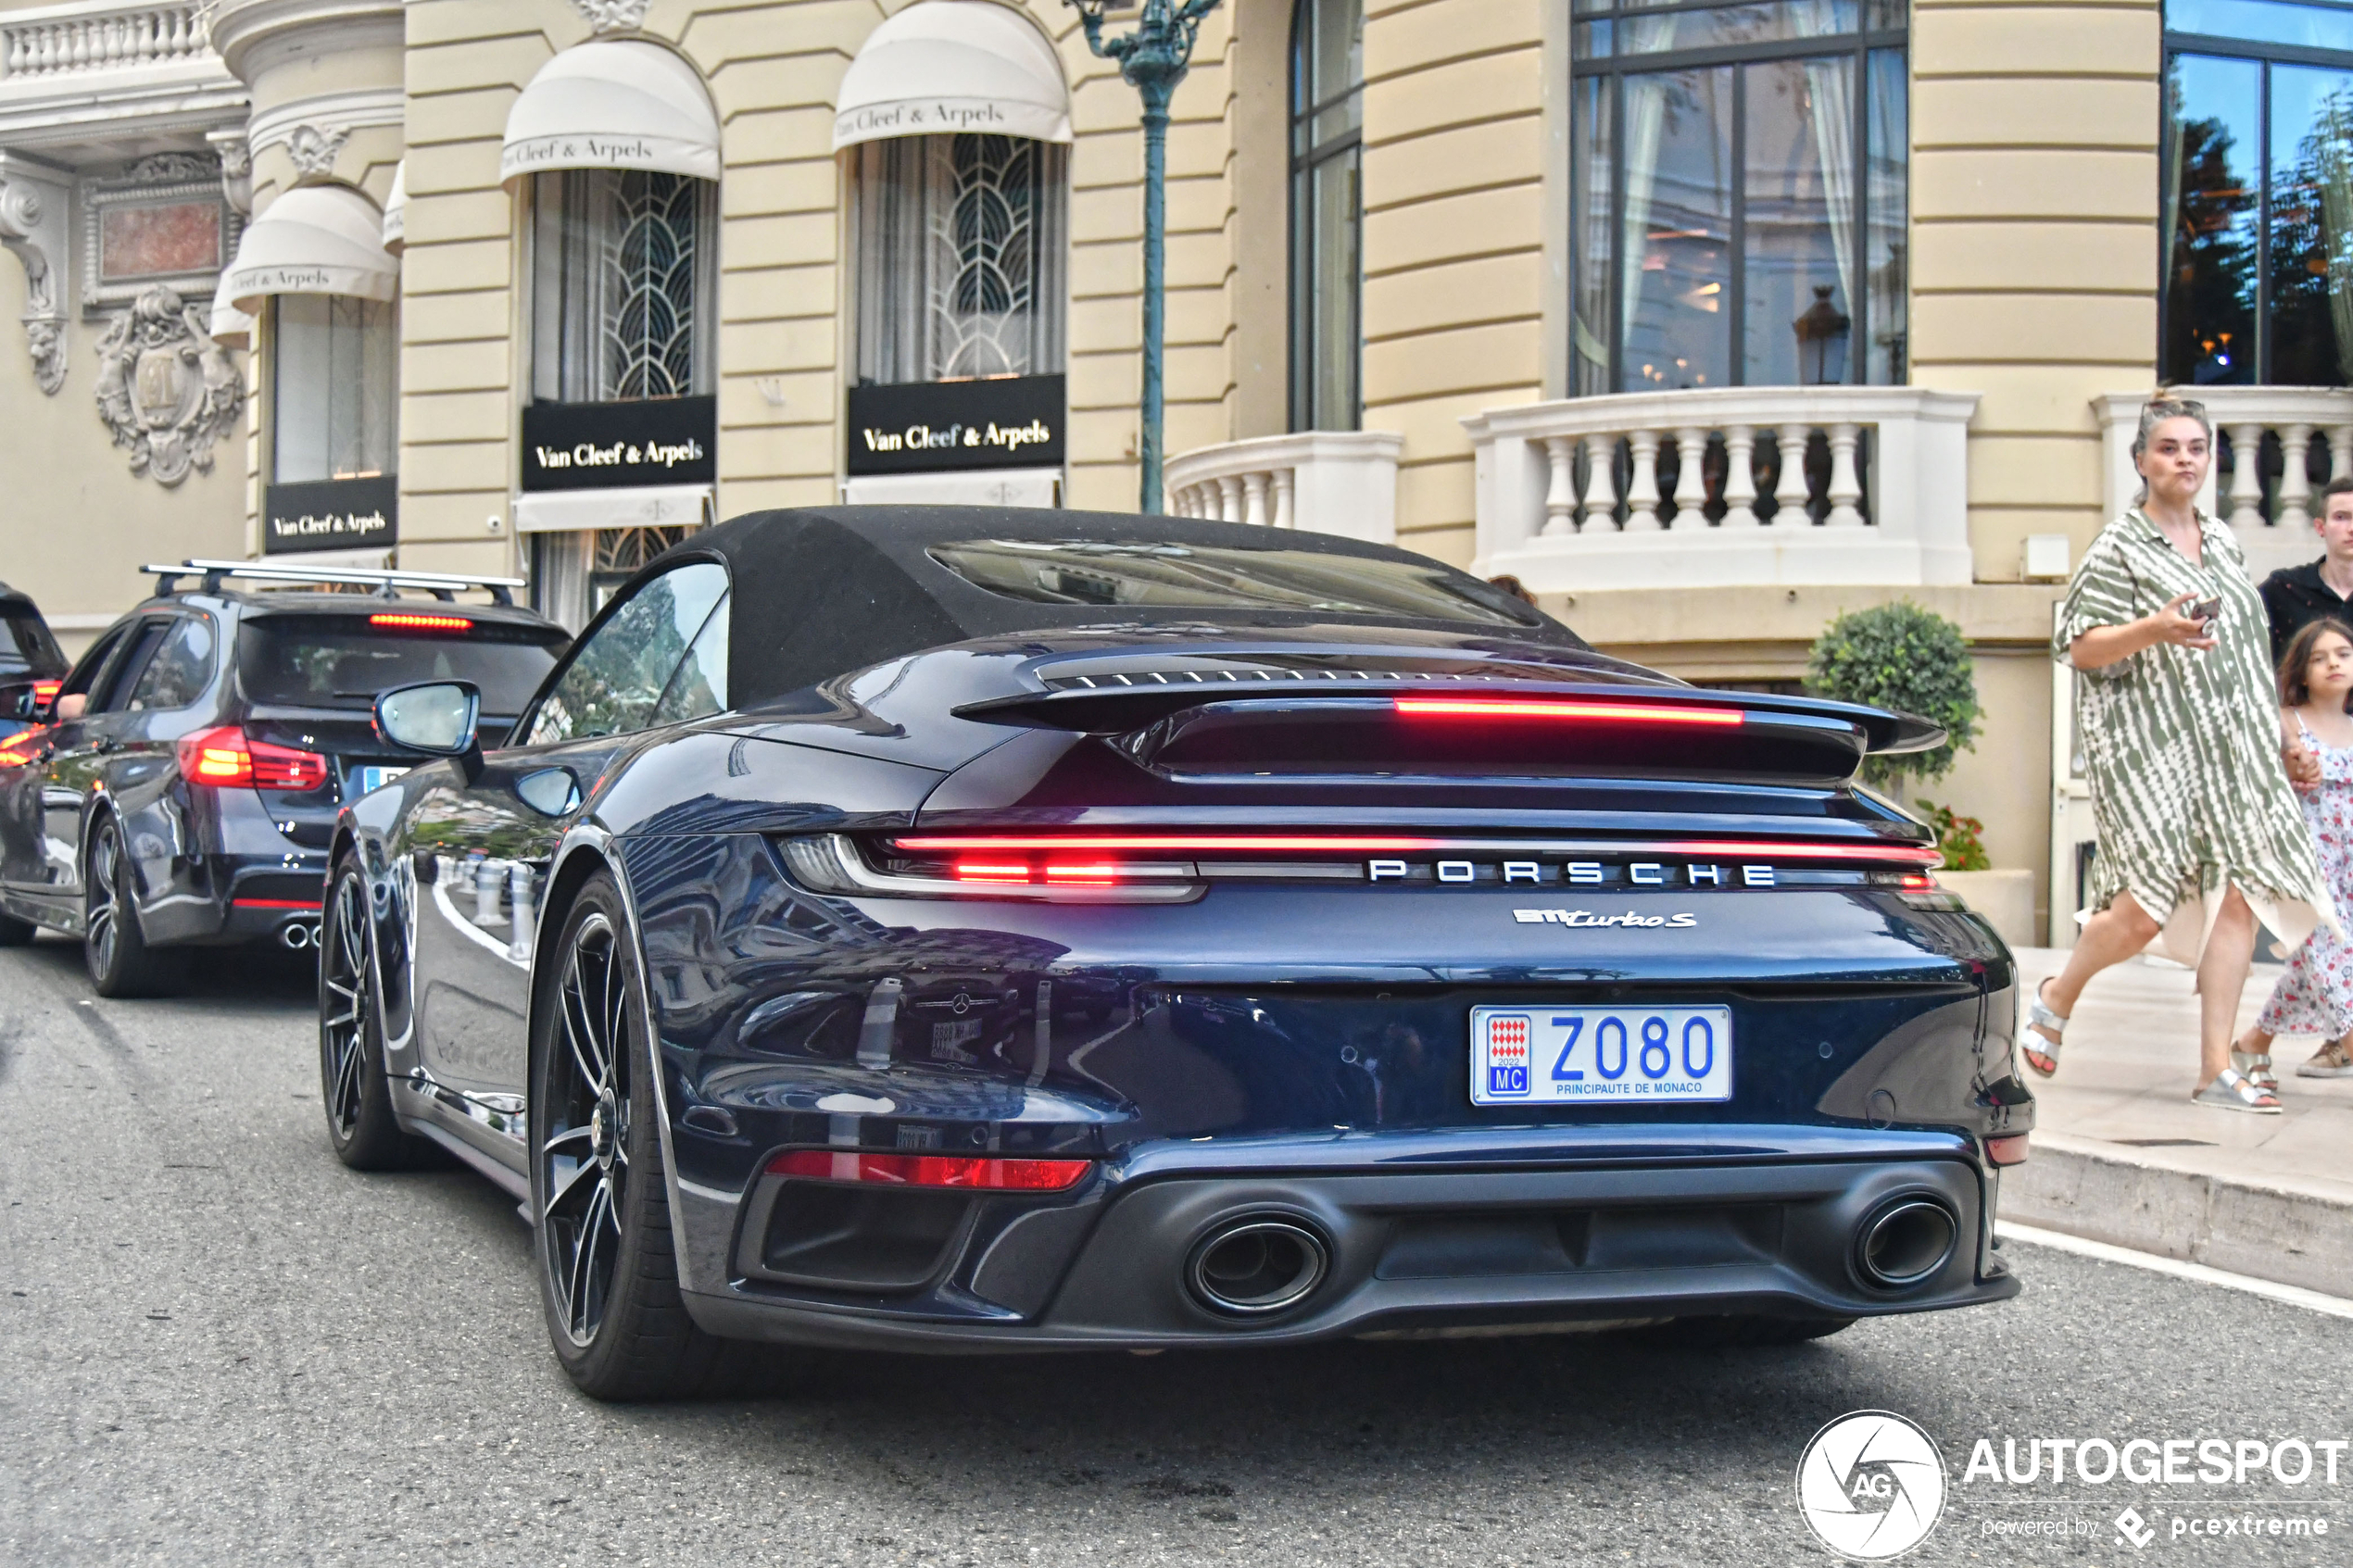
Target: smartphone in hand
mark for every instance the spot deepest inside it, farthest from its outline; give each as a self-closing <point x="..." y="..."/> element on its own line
<point x="2208" y="610"/>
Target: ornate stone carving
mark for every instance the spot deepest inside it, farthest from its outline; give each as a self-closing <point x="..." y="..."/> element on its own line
<point x="166" y="168"/>
<point x="166" y="390"/>
<point x="612" y="16"/>
<point x="34" y="203"/>
<point x="314" y="149"/>
<point x="236" y="167"/>
<point x="46" y="337"/>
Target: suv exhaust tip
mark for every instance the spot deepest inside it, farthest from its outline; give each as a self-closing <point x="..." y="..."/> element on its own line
<point x="1257" y="1266"/>
<point x="1905" y="1243"/>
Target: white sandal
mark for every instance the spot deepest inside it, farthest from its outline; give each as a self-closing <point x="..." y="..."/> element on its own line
<point x="2031" y="1044"/>
<point x="2233" y="1090"/>
<point x="2256" y="1065"/>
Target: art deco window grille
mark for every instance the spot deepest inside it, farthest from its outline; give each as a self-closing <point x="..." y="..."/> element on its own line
<point x="959" y="261"/>
<point x="623" y="267"/>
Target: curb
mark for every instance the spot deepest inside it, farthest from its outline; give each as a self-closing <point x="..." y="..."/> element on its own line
<point x="2268" y="1233"/>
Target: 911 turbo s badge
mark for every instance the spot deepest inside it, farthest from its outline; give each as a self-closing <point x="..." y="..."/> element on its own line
<point x="1588" y="918"/>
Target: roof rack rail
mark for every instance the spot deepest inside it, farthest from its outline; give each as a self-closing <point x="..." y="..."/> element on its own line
<point x="440" y="585"/>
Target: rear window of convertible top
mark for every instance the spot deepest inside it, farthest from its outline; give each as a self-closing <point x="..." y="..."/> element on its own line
<point x="340" y="661"/>
<point x="1153" y="576"/>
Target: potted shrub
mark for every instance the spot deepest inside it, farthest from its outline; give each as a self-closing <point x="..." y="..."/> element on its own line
<point x="1901" y="657"/>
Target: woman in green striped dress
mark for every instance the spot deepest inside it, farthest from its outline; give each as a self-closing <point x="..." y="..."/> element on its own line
<point x="2199" y="830"/>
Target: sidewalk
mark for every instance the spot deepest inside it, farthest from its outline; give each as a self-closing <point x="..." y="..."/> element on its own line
<point x="2121" y="1155"/>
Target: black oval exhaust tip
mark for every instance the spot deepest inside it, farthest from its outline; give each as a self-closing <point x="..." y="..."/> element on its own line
<point x="1258" y="1266"/>
<point x="1906" y="1242"/>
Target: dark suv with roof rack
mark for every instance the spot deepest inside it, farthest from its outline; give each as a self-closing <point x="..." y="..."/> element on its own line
<point x="181" y="789"/>
<point x="31" y="664"/>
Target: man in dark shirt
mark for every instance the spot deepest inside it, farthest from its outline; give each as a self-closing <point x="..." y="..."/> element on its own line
<point x="2298" y="595"/>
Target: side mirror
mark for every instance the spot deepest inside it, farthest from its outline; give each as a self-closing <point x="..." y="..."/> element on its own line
<point x="437" y="718"/>
<point x="552" y="792"/>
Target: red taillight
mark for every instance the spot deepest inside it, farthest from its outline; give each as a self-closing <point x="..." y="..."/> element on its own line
<point x="227" y="756"/>
<point x="1897" y="854"/>
<point x="409" y="621"/>
<point x="1093" y="845"/>
<point x="979" y="1173"/>
<point x="46" y="691"/>
<point x="1587" y="712"/>
<point x="2007" y="1151"/>
<point x="991" y="870"/>
<point x="1919" y="882"/>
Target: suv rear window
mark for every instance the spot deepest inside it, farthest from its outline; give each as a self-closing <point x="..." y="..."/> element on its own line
<point x="343" y="662"/>
<point x="26" y="647"/>
<point x="1147" y="576"/>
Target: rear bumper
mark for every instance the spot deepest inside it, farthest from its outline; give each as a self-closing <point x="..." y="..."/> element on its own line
<point x="1408" y="1253"/>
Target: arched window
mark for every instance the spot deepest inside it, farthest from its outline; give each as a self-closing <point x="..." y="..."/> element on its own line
<point x="1740" y="195"/>
<point x="959" y="246"/>
<point x="1327" y="205"/>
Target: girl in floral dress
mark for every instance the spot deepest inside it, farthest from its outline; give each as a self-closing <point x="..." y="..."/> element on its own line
<point x="2315" y="997"/>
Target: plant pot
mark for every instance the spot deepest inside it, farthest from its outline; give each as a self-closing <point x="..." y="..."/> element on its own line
<point x="2005" y="898"/>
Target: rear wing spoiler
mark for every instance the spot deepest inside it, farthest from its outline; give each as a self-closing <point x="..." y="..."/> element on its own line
<point x="442" y="585"/>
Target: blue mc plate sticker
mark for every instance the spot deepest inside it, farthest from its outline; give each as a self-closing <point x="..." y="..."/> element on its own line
<point x="1560" y="1055"/>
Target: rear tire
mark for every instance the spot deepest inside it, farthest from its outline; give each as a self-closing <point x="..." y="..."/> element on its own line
<point x="608" y="1271"/>
<point x="362" y="1128"/>
<point x="114" y="948"/>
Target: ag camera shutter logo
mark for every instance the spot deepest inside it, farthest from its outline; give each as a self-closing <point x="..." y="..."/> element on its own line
<point x="1871" y="1486"/>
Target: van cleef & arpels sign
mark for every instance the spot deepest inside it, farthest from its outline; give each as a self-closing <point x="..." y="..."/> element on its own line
<point x="332" y="514"/>
<point x="933" y="427"/>
<point x="611" y="446"/>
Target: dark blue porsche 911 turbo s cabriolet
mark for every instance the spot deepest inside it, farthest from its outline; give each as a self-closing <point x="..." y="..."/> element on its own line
<point x="958" y="929"/>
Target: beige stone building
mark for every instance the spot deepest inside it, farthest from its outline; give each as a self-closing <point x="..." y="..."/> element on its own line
<point x="1705" y="324"/>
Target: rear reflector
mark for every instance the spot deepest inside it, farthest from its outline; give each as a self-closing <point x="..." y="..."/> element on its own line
<point x="312" y="903"/>
<point x="2007" y="1151"/>
<point x="1587" y="713"/>
<point x="932" y="1171"/>
<point x="410" y="622"/>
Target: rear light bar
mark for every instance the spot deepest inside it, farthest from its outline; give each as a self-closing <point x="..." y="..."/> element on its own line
<point x="1001" y="848"/>
<point x="225" y="756"/>
<point x="410" y="622"/>
<point x="1585" y="712"/>
<point x="976" y="1173"/>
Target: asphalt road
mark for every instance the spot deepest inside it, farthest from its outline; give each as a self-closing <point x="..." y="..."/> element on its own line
<point x="219" y="1346"/>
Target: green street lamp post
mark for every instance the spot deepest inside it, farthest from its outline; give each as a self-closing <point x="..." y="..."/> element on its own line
<point x="1152" y="59"/>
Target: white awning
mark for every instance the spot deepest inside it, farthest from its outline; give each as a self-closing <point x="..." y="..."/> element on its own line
<point x="613" y="102"/>
<point x="314" y="239"/>
<point x="397" y="209"/>
<point x="945" y="66"/>
<point x="232" y="328"/>
<point x="635" y="506"/>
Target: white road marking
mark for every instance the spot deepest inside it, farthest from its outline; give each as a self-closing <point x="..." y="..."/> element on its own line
<point x="2294" y="1295"/>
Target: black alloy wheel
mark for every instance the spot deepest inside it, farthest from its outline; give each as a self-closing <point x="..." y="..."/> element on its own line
<point x="608" y="1277"/>
<point x="113" y="946"/>
<point x="360" y="1125"/>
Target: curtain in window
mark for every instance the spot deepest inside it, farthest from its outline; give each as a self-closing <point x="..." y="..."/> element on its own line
<point x="336" y="368"/>
<point x="961" y="257"/>
<point x="1647" y="99"/>
<point x="621" y="265"/>
<point x="1831" y="109"/>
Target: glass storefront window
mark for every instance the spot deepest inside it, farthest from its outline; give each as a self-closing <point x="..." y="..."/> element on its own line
<point x="335" y="387"/>
<point x="1738" y="221"/>
<point x="2259" y="194"/>
<point x="960" y="245"/>
<point x="1328" y="116"/>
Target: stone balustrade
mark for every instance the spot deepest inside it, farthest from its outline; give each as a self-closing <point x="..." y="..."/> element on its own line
<point x="1332" y="481"/>
<point x="1724" y="488"/>
<point x="2278" y="447"/>
<point x="71" y="40"/>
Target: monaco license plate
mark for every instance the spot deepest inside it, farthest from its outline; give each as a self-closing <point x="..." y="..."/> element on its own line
<point x="376" y="778"/>
<point x="1556" y="1055"/>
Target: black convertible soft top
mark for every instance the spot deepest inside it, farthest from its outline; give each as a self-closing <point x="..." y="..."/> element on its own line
<point x="823" y="590"/>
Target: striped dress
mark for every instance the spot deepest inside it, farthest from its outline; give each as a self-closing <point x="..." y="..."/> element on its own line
<point x="2183" y="748"/>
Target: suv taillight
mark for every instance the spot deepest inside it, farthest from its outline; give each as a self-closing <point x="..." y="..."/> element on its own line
<point x="226" y="754"/>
